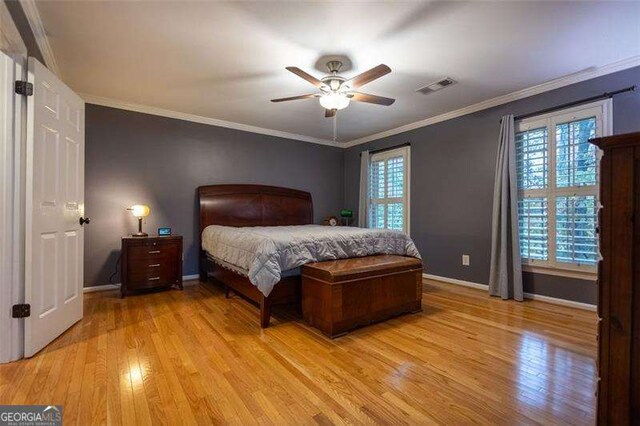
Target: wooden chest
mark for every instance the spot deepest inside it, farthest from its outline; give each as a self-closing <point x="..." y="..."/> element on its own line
<point x="340" y="295"/>
<point x="151" y="262"/>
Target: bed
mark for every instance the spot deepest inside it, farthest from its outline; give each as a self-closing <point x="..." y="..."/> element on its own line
<point x="252" y="205"/>
<point x="255" y="238"/>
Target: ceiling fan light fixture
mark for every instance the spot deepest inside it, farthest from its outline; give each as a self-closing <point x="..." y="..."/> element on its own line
<point x="336" y="92"/>
<point x="334" y="100"/>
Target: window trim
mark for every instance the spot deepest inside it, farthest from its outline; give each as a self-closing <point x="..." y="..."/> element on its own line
<point x="603" y="111"/>
<point x="404" y="151"/>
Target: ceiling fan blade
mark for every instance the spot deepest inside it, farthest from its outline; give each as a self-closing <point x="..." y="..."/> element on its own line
<point x="368" y="76"/>
<point x="328" y="113"/>
<point x="294" y="98"/>
<point x="372" y="99"/>
<point x="311" y="79"/>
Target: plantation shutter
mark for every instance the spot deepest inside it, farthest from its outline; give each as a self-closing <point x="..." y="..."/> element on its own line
<point x="389" y="190"/>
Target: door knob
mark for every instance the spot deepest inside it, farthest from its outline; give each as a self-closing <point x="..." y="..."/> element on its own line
<point x="84" y="220"/>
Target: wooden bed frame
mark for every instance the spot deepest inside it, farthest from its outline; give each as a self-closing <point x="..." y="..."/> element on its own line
<point x="252" y="205"/>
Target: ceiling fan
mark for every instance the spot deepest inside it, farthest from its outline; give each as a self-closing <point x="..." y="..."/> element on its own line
<point x="336" y="91"/>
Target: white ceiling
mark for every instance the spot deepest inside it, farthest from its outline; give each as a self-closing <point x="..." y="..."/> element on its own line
<point x="226" y="60"/>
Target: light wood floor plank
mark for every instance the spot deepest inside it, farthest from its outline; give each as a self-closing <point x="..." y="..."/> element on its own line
<point x="194" y="357"/>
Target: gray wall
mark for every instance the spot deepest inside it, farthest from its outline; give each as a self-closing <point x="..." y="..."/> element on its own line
<point x="452" y="170"/>
<point x="138" y="158"/>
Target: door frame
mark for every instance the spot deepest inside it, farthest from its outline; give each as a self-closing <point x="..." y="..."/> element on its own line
<point x="12" y="145"/>
<point x="12" y="219"/>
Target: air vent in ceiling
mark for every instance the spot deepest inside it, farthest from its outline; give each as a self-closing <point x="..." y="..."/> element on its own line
<point x="434" y="87"/>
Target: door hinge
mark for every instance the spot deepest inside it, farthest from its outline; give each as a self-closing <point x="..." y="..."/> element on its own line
<point x="21" y="310"/>
<point x="24" y="88"/>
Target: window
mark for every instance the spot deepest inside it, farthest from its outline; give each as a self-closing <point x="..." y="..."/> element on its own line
<point x="389" y="190"/>
<point x="558" y="175"/>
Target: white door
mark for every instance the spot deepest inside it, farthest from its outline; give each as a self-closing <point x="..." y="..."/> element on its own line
<point x="54" y="206"/>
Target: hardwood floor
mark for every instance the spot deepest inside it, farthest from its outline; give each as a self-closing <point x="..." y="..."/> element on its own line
<point x="195" y="357"/>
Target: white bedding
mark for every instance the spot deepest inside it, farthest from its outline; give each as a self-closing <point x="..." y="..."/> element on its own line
<point x="263" y="252"/>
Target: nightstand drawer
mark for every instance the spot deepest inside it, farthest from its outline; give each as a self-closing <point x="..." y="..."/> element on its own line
<point x="153" y="266"/>
<point x="153" y="252"/>
<point x="153" y="278"/>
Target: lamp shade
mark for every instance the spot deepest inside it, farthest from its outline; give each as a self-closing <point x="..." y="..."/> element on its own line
<point x="140" y="210"/>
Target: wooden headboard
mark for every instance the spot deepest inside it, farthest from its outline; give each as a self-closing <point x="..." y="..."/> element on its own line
<point x="253" y="205"/>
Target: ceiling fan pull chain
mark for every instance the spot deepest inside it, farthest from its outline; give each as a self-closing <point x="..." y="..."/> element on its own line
<point x="335" y="127"/>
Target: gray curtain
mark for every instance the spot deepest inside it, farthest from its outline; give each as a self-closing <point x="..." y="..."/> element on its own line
<point x="505" y="278"/>
<point x="364" y="189"/>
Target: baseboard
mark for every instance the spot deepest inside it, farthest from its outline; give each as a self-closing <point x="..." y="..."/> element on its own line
<point x="107" y="287"/>
<point x="190" y="277"/>
<point x="563" y="302"/>
<point x="531" y="296"/>
<point x="456" y="282"/>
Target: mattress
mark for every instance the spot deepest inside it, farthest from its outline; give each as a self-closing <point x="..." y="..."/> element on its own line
<point x="262" y="253"/>
<point x="288" y="273"/>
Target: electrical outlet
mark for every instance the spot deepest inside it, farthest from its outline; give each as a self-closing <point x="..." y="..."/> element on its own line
<point x="465" y="260"/>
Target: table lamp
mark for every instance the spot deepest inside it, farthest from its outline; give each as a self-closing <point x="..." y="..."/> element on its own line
<point x="140" y="211"/>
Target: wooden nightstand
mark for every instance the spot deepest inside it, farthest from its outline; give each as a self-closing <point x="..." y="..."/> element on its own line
<point x="151" y="262"/>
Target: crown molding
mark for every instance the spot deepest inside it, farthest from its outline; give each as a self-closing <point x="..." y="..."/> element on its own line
<point x="578" y="77"/>
<point x="113" y="103"/>
<point x="490" y="103"/>
<point x="35" y="22"/>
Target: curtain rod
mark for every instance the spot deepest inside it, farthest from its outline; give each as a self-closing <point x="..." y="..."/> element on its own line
<point x="605" y="95"/>
<point x="377" y="151"/>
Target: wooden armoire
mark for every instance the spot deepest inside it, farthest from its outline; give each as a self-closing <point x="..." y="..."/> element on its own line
<point x="619" y="281"/>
